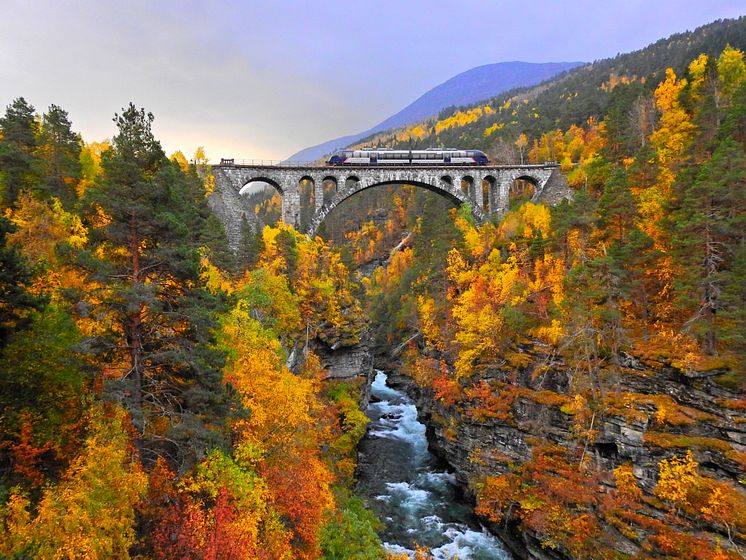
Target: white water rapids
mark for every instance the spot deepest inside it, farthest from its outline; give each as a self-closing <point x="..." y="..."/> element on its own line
<point x="416" y="498"/>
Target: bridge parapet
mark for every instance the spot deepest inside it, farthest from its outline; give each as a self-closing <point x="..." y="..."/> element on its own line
<point x="485" y="188"/>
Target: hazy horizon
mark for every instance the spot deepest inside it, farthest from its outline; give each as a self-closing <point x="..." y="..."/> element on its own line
<point x="253" y="80"/>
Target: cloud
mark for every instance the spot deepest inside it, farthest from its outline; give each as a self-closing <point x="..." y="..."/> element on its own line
<point x="250" y="78"/>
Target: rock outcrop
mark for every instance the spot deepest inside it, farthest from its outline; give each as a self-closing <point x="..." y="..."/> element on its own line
<point x="671" y="412"/>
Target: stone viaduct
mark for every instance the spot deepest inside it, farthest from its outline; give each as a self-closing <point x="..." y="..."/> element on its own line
<point x="485" y="188"/>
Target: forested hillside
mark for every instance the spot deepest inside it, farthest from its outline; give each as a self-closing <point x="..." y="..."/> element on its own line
<point x="501" y="125"/>
<point x="584" y="365"/>
<point x="581" y="367"/>
<point x="148" y="408"/>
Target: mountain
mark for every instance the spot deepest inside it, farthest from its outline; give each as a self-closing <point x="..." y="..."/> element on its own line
<point x="594" y="90"/>
<point x="482" y="82"/>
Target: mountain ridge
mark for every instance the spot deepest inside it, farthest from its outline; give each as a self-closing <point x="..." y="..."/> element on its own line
<point x="473" y="85"/>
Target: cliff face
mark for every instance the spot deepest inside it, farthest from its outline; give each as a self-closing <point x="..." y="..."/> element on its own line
<point x="652" y="412"/>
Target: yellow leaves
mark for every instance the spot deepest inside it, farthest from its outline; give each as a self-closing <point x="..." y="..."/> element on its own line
<point x="462" y="118"/>
<point x="458" y="269"/>
<point x="552" y="333"/>
<point x="536" y="217"/>
<point x="575" y="149"/>
<point x="41" y="228"/>
<point x="15" y="525"/>
<point x="279" y="401"/>
<point x="626" y="484"/>
<point x="490" y="130"/>
<point x="716" y="508"/>
<point x="418" y="131"/>
<point x="675" y="127"/>
<point x="90" y="161"/>
<point x="208" y="183"/>
<point x="90" y="514"/>
<point x="731" y="70"/>
<point x="430" y="321"/>
<point x="529" y="221"/>
<point x="214" y="279"/>
<point x="676" y="476"/>
<point x="272" y="257"/>
<point x="199" y="156"/>
<point x="697" y="70"/>
<point x="179" y="159"/>
<point x="476" y="309"/>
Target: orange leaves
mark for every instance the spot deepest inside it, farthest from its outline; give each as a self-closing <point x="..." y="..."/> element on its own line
<point x="42" y="228"/>
<point x="220" y="511"/>
<point x="494" y="495"/>
<point x="447" y="390"/>
<point x="552" y="498"/>
<point x="91" y="512"/>
<point x="489" y="402"/>
<point x="281" y="435"/>
<point x="26" y="456"/>
<point x="300" y="486"/>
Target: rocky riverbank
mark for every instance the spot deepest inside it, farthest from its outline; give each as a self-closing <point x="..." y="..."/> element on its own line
<point x="655" y="412"/>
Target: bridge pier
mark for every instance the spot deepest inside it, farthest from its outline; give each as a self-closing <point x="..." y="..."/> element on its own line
<point x="227" y="201"/>
<point x="318" y="195"/>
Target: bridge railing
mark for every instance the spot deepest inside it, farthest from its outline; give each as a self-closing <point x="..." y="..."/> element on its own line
<point x="293" y="163"/>
<point x="267" y="162"/>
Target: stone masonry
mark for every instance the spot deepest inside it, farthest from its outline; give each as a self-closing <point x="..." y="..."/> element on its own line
<point x="227" y="202"/>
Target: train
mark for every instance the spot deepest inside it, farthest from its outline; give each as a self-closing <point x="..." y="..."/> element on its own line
<point x="389" y="156"/>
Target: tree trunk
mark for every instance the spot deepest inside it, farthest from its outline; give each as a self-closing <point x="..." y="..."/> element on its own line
<point x="135" y="325"/>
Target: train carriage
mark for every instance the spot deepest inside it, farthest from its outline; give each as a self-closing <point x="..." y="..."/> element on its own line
<point x="390" y="157"/>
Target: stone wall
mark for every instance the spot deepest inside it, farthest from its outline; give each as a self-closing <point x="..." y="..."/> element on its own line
<point x="228" y="204"/>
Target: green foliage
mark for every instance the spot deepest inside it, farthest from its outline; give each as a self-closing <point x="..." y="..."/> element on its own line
<point x="59" y="152"/>
<point x="351" y="532"/>
<point x="42" y="377"/>
<point x="145" y="260"/>
<point x="15" y="300"/>
<point x="18" y="164"/>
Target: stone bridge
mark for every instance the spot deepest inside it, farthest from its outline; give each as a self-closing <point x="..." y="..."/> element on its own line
<point x="485" y="188"/>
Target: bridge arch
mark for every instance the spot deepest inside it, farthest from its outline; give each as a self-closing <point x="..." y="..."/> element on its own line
<point x="523" y="187"/>
<point x="260" y="179"/>
<point x="454" y="194"/>
<point x="488" y="188"/>
<point x="494" y="182"/>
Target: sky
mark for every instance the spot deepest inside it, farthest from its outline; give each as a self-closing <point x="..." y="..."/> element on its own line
<point x="252" y="79"/>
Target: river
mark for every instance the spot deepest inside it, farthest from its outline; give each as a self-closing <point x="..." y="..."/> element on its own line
<point x="410" y="490"/>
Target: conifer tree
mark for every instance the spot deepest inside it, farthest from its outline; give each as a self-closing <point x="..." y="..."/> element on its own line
<point x="59" y="153"/>
<point x="145" y="258"/>
<point x="15" y="300"/>
<point x="18" y="165"/>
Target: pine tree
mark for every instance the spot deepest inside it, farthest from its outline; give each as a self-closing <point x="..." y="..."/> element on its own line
<point x="15" y="300"/>
<point x="59" y="151"/>
<point x="708" y="208"/>
<point x="146" y="259"/>
<point x="18" y="165"/>
<point x="249" y="247"/>
<point x="215" y="241"/>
